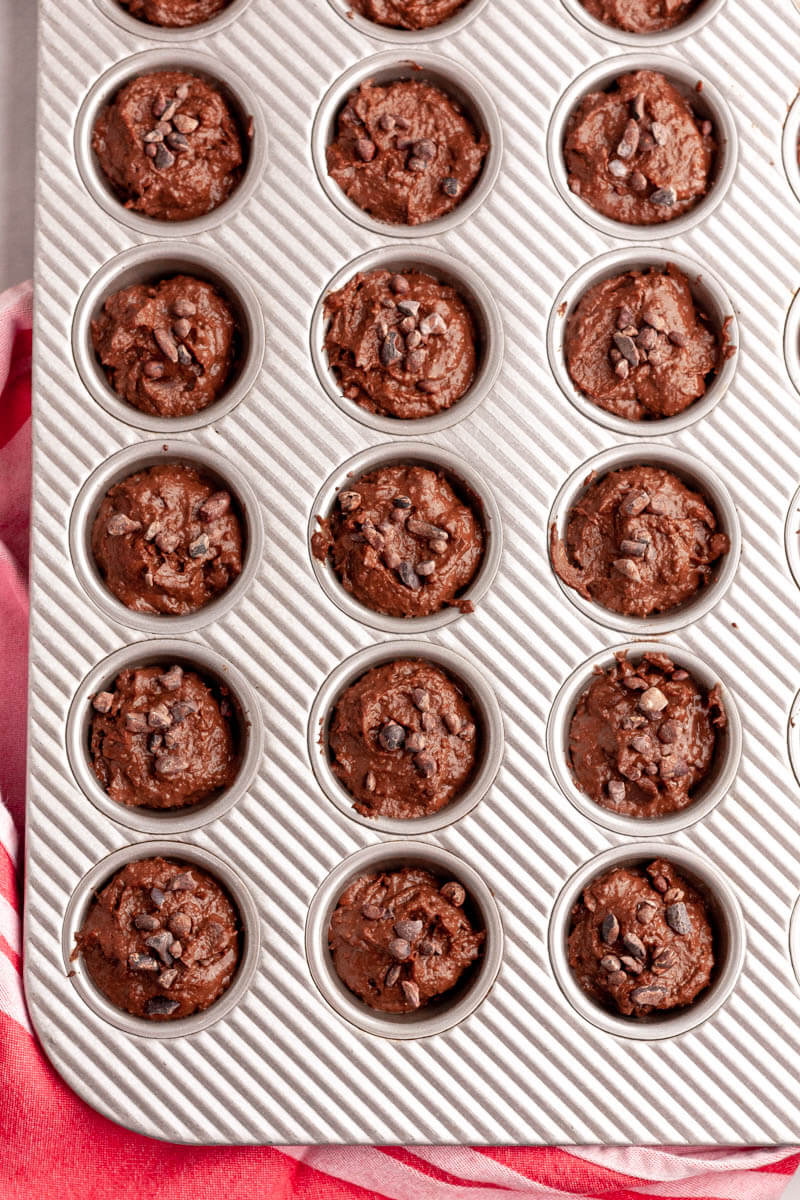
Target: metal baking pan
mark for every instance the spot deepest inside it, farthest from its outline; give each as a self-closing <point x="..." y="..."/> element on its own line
<point x="520" y="1056"/>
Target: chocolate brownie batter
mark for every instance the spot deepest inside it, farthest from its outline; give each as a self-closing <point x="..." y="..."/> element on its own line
<point x="400" y="939"/>
<point x="167" y="540"/>
<point x="405" y="152"/>
<point x="642" y="738"/>
<point x="641" y="16"/>
<point x="403" y="740"/>
<point x="642" y="940"/>
<point x="174" y="14"/>
<point x="638" y="153"/>
<point x="402" y="542"/>
<point x="638" y="542"/>
<point x="407" y="14"/>
<point x="163" y="738"/>
<point x="401" y="345"/>
<point x="161" y="940"/>
<point x="167" y="348"/>
<point x="169" y="146"/>
<point x="637" y="346"/>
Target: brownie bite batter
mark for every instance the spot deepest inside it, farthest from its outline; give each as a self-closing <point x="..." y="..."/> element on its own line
<point x="167" y="540"/>
<point x="643" y="736"/>
<point x="400" y="345"/>
<point x="405" y="152"/>
<point x="163" y="738"/>
<point x="402" y="542"/>
<point x="642" y="940"/>
<point x="641" y="16"/>
<point x="638" y="347"/>
<point x="167" y="348"/>
<point x="403" y="740"/>
<point x="174" y="14"/>
<point x="169" y="146"/>
<point x="400" y="939"/>
<point x="638" y="542"/>
<point x="161" y="940"/>
<point x="638" y="153"/>
<point x="407" y="14"/>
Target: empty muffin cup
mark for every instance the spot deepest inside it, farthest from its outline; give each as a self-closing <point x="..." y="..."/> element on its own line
<point x="708" y="103"/>
<point x="149" y="265"/>
<point x="727" y="924"/>
<point x="482" y="307"/>
<point x="211" y="465"/>
<point x="696" y="476"/>
<point x="708" y="793"/>
<point x="250" y="938"/>
<point x="409" y="37"/>
<point x="468" y="486"/>
<point x="117" y="13"/>
<point x="441" y="1013"/>
<point x="709" y="298"/>
<point x="476" y="691"/>
<point x="246" y="722"/>
<point x="243" y="104"/>
<point x="702" y="14"/>
<point x="454" y="81"/>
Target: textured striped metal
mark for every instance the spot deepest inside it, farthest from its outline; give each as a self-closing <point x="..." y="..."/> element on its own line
<point x="525" y="1067"/>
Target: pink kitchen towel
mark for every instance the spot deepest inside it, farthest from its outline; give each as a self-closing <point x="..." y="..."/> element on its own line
<point x="53" y="1145"/>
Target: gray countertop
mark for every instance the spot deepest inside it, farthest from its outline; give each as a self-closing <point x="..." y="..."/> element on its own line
<point x="17" y="138"/>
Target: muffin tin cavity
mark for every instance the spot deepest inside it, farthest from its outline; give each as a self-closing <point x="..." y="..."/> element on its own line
<point x="697" y="476"/>
<point x="451" y="78"/>
<point x="707" y="102"/>
<point x="246" y="719"/>
<point x="149" y="264"/>
<point x="475" y="689"/>
<point x="790" y="148"/>
<point x="729" y="941"/>
<point x="468" y="486"/>
<point x="710" y="299"/>
<point x="709" y="792"/>
<point x="451" y="1008"/>
<point x="243" y="103"/>
<point x="101" y="874"/>
<point x="115" y="12"/>
<point x="139" y="457"/>
<point x="409" y="37"/>
<point x="692" y="25"/>
<point x="471" y="289"/>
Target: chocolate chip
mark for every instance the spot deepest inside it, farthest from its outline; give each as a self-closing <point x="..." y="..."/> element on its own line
<point x="102" y="701"/>
<point x="417" y="164"/>
<point x="416" y="742"/>
<point x="653" y="701"/>
<point x="159" y="717"/>
<point x="182" y="883"/>
<point x="387" y="122"/>
<point x="411" y="992"/>
<point x="454" y="892"/>
<point x="136" y="722"/>
<point x="167" y="978"/>
<point x="634" y="503"/>
<point x="176" y="949"/>
<point x="166" y="344"/>
<point x="413" y="340"/>
<point x="391" y="349"/>
<point x="616" y="790"/>
<point x="399" y="948"/>
<point x="669" y="732"/>
<point x="120" y="524"/>
<point x="399" y="285"/>
<point x="609" y="929"/>
<point x="153" y="136"/>
<point x="370" y="782"/>
<point x="154" y="742"/>
<point x="163" y="158"/>
<point x="433" y="323"/>
<point x="680" y="675"/>
<point x="184" y="357"/>
<point x="153" y="369"/>
<point x="631" y="965"/>
<point x="660" y="883"/>
<point x="408" y="929"/>
<point x="660" y="133"/>
<point x="610" y="962"/>
<point x="677" y="338"/>
<point x="180" y="925"/>
<point x="645" y="912"/>
<point x="365" y="149"/>
<point x="172" y="679"/>
<point x="451" y="186"/>
<point x="677" y="918"/>
<point x="146" y="922"/>
<point x="426" y="568"/>
<point x="630" y="140"/>
<point x="183" y="307"/>
<point x="421" y="698"/>
<point x="372" y="912"/>
<point x="184" y="709"/>
<point x="638" y="181"/>
<point x="617" y="168"/>
<point x="349" y="501"/>
<point x="409" y="308"/>
<point x="664" y="960"/>
<point x="392" y="736"/>
<point x="633" y="549"/>
<point x="673" y="895"/>
<point x="647" y="338"/>
<point x="199" y="547"/>
<point x="651" y="993"/>
<point x="426" y="530"/>
<point x="425" y="764"/>
<point x="157" y="896"/>
<point x="622" y="369"/>
<point x="438" y="546"/>
<point x="665" y="197"/>
<point x="425" y="148"/>
<point x="634" y="945"/>
<point x="160" y="1006"/>
<point x="167" y="541"/>
<point x="182" y="327"/>
<point x="408" y="576"/>
<point x="616" y="978"/>
<point x="142" y="962"/>
<point x="627" y="568"/>
<point x="160" y="943"/>
<point x="177" y="142"/>
<point x="428" y="948"/>
<point x="627" y="348"/>
<point x="392" y="975"/>
<point x="184" y="123"/>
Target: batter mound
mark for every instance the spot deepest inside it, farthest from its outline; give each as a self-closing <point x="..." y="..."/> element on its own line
<point x="638" y="153"/>
<point x="161" y="940"/>
<point x="400" y="939"/>
<point x="637" y="346"/>
<point x="167" y="540"/>
<point x="169" y="146"/>
<point x="402" y="542"/>
<point x="408" y="14"/>
<point x="405" y="152"/>
<point x="638" y="542"/>
<point x="167" y="348"/>
<point x="403" y="740"/>
<point x="642" y="941"/>
<point x="163" y="738"/>
<point x="401" y="345"/>
<point x="174" y="14"/>
<point x="642" y="738"/>
<point x="641" y="16"/>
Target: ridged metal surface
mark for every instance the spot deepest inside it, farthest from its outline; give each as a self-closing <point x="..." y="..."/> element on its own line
<point x="524" y="1068"/>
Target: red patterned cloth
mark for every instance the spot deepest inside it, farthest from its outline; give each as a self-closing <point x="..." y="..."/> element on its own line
<point x="53" y="1145"/>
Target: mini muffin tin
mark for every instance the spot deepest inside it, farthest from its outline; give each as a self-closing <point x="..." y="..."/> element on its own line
<point x="518" y="1054"/>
